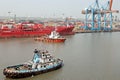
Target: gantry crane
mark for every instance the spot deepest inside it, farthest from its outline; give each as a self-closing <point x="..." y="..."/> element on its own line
<point x="99" y="17"/>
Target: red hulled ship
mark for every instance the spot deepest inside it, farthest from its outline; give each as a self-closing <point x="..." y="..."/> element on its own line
<point x="53" y="37"/>
<point x="8" y="30"/>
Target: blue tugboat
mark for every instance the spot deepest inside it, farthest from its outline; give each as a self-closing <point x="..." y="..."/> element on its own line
<point x="42" y="62"/>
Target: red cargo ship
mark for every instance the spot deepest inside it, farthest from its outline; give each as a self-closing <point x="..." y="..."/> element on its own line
<point x="31" y="30"/>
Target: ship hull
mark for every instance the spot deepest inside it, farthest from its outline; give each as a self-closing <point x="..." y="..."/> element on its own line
<point x="35" y="33"/>
<point x="16" y="75"/>
<point x="23" y="34"/>
<point x="65" y="30"/>
<point x="58" y="40"/>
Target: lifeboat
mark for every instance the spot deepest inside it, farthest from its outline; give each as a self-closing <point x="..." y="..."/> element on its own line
<point x="42" y="62"/>
<point x="53" y="37"/>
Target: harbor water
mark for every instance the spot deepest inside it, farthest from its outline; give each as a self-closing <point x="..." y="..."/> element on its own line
<point x="86" y="56"/>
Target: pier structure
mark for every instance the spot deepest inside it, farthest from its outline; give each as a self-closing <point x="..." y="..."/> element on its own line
<point x="99" y="17"/>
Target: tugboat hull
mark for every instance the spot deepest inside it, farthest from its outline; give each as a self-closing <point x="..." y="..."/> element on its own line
<point x="29" y="73"/>
<point x="50" y="40"/>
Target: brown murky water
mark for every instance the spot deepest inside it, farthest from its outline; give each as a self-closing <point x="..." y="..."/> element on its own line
<point x="91" y="56"/>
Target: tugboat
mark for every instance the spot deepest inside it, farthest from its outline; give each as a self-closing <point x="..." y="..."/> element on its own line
<point x="53" y="37"/>
<point x="42" y="62"/>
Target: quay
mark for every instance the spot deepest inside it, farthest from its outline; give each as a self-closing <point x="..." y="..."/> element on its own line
<point x="96" y="31"/>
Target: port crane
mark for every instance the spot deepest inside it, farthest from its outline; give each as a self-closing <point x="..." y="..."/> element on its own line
<point x="99" y="17"/>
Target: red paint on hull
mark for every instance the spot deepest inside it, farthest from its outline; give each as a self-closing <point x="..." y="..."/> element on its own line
<point x="50" y="40"/>
<point x="33" y="31"/>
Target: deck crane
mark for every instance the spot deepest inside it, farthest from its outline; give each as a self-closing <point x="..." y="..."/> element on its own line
<point x="99" y="16"/>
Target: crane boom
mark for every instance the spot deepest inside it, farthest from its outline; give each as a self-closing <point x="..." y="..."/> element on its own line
<point x="102" y="11"/>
